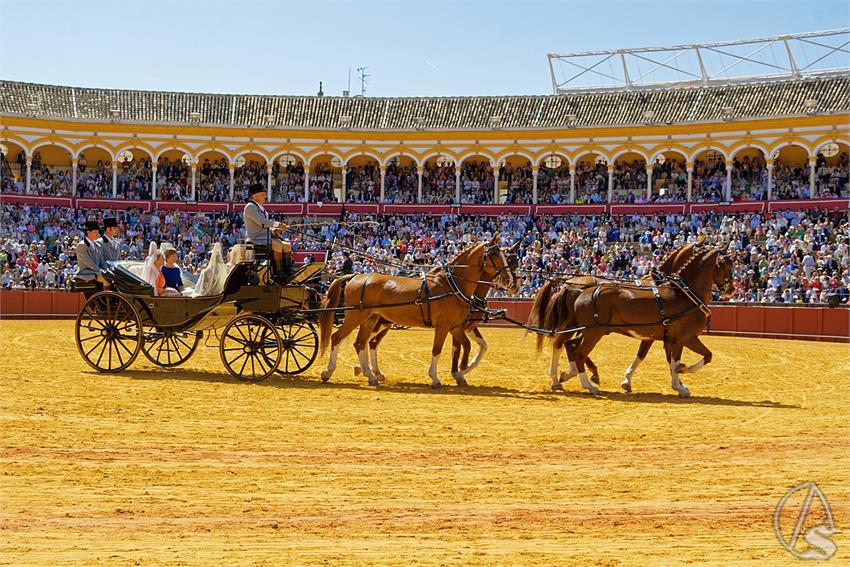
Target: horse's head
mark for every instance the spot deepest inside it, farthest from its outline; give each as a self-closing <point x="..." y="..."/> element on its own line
<point x="723" y="274"/>
<point x="502" y="265"/>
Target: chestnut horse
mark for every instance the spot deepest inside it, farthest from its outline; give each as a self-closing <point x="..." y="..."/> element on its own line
<point x="676" y="315"/>
<point x="460" y="349"/>
<point x="552" y="311"/>
<point x="440" y="300"/>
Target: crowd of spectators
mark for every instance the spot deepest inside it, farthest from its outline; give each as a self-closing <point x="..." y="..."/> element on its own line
<point x="788" y="257"/>
<point x="669" y="181"/>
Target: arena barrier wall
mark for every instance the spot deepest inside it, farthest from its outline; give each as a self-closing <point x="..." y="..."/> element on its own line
<point x="336" y="209"/>
<point x="768" y="321"/>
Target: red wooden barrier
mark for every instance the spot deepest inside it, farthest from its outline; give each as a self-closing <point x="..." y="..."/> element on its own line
<point x="790" y="322"/>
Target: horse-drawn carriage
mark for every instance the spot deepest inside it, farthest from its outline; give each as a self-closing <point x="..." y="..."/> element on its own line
<point x="261" y="326"/>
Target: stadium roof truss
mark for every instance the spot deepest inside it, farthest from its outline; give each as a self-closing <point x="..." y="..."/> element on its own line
<point x="779" y="57"/>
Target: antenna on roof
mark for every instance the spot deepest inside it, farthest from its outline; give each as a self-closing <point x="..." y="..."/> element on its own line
<point x="320" y="93"/>
<point x="363" y="81"/>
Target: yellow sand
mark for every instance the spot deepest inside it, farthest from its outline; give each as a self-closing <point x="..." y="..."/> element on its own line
<point x="191" y="467"/>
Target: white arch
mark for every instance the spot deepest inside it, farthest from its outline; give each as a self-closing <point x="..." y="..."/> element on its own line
<point x="391" y="155"/>
<point x="296" y="153"/>
<point x="249" y="151"/>
<point x="592" y="152"/>
<point x="508" y="153"/>
<point x="436" y="154"/>
<point x="787" y="143"/>
<point x="332" y="153"/>
<point x="170" y="147"/>
<point x="369" y="153"/>
<point x="560" y="153"/>
<point x="710" y="148"/>
<point x="99" y="146"/>
<point x="749" y="145"/>
<point x="46" y="143"/>
<point x="635" y="150"/>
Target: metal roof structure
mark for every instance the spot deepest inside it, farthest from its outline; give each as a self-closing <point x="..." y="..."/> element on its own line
<point x="747" y="60"/>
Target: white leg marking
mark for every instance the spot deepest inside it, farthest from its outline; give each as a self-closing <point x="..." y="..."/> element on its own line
<point x="326" y="375"/>
<point x="482" y="348"/>
<point x="693" y="367"/>
<point x="432" y="372"/>
<point x="587" y="384"/>
<point x="553" y="368"/>
<point x="674" y="380"/>
<point x="626" y="384"/>
<point x="363" y="356"/>
<point x="572" y="372"/>
<point x="373" y="356"/>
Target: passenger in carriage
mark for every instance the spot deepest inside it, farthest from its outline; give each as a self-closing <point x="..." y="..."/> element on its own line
<point x="257" y="224"/>
<point x="162" y="289"/>
<point x="171" y="271"/>
<point x="89" y="255"/>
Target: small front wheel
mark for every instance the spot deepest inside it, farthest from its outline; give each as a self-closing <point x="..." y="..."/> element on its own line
<point x="300" y="343"/>
<point x="250" y="348"/>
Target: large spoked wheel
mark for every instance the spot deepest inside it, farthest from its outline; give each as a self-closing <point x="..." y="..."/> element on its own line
<point x="169" y="348"/>
<point x="108" y="332"/>
<point x="300" y="343"/>
<point x="250" y="348"/>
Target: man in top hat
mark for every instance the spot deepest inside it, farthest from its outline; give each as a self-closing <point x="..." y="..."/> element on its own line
<point x="89" y="255"/>
<point x="109" y="248"/>
<point x="257" y="224"/>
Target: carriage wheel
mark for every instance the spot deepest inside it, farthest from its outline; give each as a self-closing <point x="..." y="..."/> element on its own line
<point x="300" y="343"/>
<point x="108" y="332"/>
<point x="169" y="348"/>
<point x="250" y="348"/>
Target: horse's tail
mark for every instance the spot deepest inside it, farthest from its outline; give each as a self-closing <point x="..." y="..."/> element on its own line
<point x="538" y="310"/>
<point x="326" y="318"/>
<point x="560" y="313"/>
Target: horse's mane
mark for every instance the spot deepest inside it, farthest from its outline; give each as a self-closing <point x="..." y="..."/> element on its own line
<point x="685" y="272"/>
<point x="670" y="260"/>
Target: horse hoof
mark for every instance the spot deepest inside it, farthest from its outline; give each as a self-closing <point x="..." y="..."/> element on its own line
<point x="684" y="393"/>
<point x="436" y="385"/>
<point x="380" y="376"/>
<point x="557" y="387"/>
<point x="325" y="376"/>
<point x="357" y="371"/>
<point x="373" y="382"/>
<point x="626" y="386"/>
<point x="593" y="391"/>
<point x="564" y="377"/>
<point x="682" y="368"/>
<point x="595" y="379"/>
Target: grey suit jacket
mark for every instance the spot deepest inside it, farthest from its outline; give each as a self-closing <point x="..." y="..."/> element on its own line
<point x="88" y="259"/>
<point x="109" y="250"/>
<point x="257" y="223"/>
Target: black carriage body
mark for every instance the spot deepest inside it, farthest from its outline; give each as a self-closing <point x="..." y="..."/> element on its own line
<point x="171" y="327"/>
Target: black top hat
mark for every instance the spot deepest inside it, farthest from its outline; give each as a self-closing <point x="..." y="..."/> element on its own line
<point x="256" y="188"/>
<point x="92" y="225"/>
<point x="110" y="222"/>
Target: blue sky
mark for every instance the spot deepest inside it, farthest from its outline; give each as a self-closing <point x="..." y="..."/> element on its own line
<point x="432" y="48"/>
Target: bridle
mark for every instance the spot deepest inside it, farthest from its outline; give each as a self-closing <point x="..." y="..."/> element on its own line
<point x="502" y="272"/>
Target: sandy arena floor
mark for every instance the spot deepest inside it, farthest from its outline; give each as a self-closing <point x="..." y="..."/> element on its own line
<point x="191" y="467"/>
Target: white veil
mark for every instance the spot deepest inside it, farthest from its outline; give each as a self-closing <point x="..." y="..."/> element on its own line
<point x="211" y="280"/>
<point x="149" y="272"/>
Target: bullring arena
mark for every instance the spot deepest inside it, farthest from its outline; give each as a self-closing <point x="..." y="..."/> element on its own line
<point x="204" y="463"/>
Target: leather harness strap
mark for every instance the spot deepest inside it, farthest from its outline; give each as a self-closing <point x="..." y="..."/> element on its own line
<point x="423" y="296"/>
<point x="665" y="321"/>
